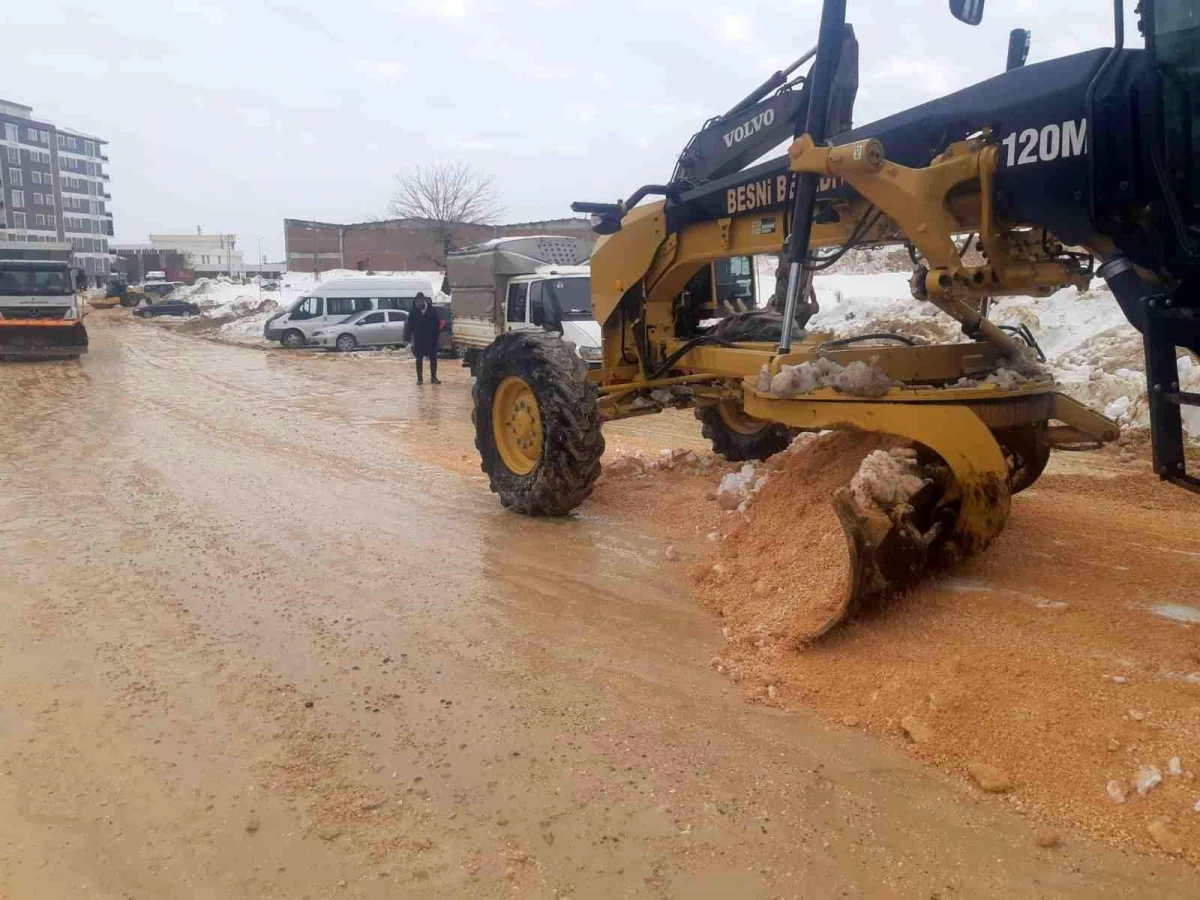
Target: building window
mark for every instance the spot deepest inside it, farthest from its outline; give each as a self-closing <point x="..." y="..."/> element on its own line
<point x="18" y="198"/>
<point x="48" y="178"/>
<point x="61" y="140"/>
<point x="11" y="132"/>
<point x="14" y="155"/>
<point x="31" y="134"/>
<point x="14" y="177"/>
<point x="45" y="135"/>
<point x="51" y="221"/>
<point x="89" y="148"/>
<point x="40" y="219"/>
<point x="18" y="220"/>
<point x="35" y="177"/>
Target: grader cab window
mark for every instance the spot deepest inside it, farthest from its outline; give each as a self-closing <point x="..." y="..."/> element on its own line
<point x="735" y="282"/>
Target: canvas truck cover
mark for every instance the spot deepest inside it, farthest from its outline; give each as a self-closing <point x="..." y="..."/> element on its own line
<point x="478" y="274"/>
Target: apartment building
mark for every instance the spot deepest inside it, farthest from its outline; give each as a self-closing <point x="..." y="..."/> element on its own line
<point x="53" y="187"/>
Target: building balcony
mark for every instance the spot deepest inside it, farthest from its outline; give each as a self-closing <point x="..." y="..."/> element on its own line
<point x="106" y="196"/>
<point x="103" y="158"/>
<point x="108" y="215"/>
<point x="104" y="175"/>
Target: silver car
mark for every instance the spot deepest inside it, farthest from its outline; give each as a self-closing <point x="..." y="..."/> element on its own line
<point x="373" y="328"/>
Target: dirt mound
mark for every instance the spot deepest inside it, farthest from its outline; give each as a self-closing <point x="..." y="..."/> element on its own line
<point x="1054" y="660"/>
<point x="203" y="324"/>
<point x="784" y="566"/>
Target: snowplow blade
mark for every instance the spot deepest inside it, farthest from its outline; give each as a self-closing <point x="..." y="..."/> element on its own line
<point x="42" y="339"/>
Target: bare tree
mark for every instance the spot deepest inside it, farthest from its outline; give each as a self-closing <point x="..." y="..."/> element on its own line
<point x="447" y="195"/>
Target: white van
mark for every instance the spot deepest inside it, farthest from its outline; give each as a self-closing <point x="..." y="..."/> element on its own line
<point x="332" y="301"/>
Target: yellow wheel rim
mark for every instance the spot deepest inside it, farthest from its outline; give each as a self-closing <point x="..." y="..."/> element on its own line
<point x="517" y="425"/>
<point x="736" y="419"/>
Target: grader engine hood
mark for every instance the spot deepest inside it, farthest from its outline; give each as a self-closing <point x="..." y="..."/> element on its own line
<point x="1037" y="114"/>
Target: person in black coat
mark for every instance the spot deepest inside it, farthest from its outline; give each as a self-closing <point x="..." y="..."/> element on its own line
<point x="421" y="332"/>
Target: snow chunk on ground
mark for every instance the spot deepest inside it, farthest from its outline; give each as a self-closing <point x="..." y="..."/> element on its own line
<point x="738" y="488"/>
<point x="1147" y="779"/>
<point x="857" y="378"/>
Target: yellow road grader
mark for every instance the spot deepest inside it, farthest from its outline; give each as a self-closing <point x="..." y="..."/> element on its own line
<point x="1049" y="174"/>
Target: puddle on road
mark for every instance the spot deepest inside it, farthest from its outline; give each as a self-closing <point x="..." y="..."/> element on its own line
<point x="967" y="586"/>
<point x="1177" y="612"/>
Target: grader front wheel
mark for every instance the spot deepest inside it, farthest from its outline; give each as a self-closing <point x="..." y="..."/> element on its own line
<point x="537" y="423"/>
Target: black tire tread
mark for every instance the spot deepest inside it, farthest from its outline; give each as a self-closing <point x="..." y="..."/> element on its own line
<point x="572" y="440"/>
<point x="758" y="325"/>
<point x="737" y="447"/>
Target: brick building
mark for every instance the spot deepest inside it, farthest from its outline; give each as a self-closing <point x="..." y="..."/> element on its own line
<point x="397" y="245"/>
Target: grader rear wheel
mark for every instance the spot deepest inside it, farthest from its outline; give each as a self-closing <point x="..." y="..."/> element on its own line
<point x="537" y="423"/>
<point x="738" y="437"/>
<point x="734" y="435"/>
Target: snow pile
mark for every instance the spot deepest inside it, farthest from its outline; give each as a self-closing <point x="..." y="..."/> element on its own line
<point x="738" y="488"/>
<point x="1106" y="372"/>
<point x="217" y="296"/>
<point x="250" y="325"/>
<point x="243" y="306"/>
<point x="857" y="378"/>
<point x="886" y="478"/>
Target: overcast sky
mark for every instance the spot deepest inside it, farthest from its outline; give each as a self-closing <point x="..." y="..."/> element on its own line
<point x="234" y="114"/>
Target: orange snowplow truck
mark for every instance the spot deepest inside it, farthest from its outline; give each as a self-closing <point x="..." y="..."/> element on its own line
<point x="41" y="310"/>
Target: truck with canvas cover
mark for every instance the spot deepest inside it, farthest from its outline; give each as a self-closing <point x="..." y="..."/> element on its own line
<point x="522" y="284"/>
<point x="41" y="309"/>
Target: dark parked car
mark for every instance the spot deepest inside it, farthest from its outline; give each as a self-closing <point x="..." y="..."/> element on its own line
<point x="168" y="308"/>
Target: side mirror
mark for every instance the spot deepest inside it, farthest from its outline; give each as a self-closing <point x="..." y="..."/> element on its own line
<point x="969" y="11"/>
<point x="1018" y="48"/>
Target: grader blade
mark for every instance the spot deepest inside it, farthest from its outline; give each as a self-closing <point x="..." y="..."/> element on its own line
<point x="909" y="509"/>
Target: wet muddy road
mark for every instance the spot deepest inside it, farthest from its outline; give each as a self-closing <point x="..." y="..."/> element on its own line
<point x="265" y="633"/>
